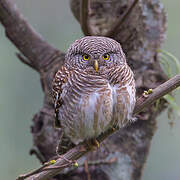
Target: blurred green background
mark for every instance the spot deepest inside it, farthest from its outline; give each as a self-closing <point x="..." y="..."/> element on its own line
<point x="21" y="95"/>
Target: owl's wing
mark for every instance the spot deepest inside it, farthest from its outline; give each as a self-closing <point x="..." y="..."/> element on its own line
<point x="122" y="78"/>
<point x="59" y="80"/>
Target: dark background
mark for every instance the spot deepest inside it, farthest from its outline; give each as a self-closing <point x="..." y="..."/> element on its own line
<point x="21" y="95"/>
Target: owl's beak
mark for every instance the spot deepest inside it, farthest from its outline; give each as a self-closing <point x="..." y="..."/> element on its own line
<point x="96" y="66"/>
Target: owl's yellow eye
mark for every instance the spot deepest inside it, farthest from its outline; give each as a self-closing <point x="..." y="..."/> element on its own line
<point x="105" y="56"/>
<point x="86" y="57"/>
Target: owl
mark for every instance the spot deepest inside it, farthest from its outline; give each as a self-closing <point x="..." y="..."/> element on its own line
<point x="94" y="90"/>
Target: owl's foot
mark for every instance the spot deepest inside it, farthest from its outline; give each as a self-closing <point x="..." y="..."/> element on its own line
<point x="92" y="144"/>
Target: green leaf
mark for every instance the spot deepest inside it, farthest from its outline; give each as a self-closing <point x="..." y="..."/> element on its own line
<point x="166" y="65"/>
<point x="176" y="61"/>
<point x="170" y="99"/>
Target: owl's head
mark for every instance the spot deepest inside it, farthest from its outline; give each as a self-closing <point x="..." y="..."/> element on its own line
<point x="95" y="53"/>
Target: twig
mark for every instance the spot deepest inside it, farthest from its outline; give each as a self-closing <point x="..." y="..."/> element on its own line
<point x="24" y="37"/>
<point x="116" y="26"/>
<point x="71" y="155"/>
<point x="157" y="93"/>
<point x="26" y="61"/>
<point x="81" y="149"/>
<point x="84" y="17"/>
<point x="24" y="176"/>
<point x="35" y="151"/>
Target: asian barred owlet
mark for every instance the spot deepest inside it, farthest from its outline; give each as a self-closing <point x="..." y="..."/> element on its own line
<point x="94" y="90"/>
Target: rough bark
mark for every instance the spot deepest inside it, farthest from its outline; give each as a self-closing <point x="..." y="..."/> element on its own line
<point x="140" y="34"/>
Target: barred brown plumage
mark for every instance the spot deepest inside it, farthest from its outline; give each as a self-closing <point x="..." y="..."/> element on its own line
<point x="90" y="100"/>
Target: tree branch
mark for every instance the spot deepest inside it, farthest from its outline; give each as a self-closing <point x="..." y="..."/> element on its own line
<point x="24" y="37"/>
<point x="116" y="26"/>
<point x="82" y="149"/>
<point x="160" y="91"/>
<point x="84" y="17"/>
